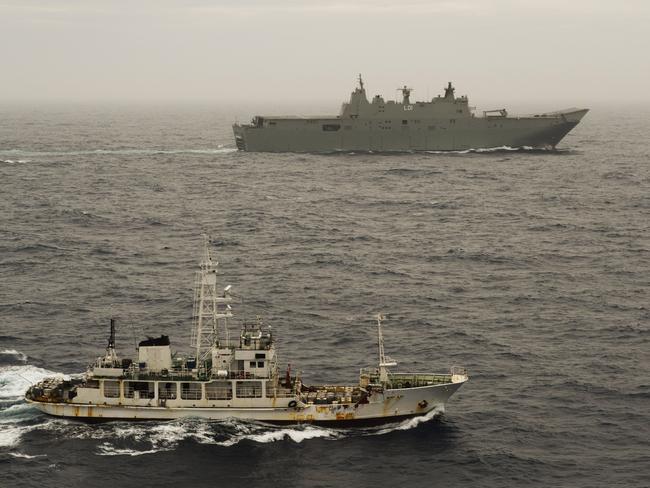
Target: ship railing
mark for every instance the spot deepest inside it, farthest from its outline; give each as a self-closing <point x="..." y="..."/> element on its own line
<point x="134" y="372"/>
<point x="191" y="395"/>
<point x="414" y="380"/>
<point x="281" y="394"/>
<point x="406" y="380"/>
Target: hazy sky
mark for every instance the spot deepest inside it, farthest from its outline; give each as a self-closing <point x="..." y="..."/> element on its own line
<point x="577" y="51"/>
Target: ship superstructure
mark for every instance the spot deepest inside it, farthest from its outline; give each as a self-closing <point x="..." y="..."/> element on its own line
<point x="444" y="123"/>
<point x="225" y="377"/>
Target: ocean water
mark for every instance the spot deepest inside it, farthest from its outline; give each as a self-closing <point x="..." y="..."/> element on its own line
<point x="530" y="268"/>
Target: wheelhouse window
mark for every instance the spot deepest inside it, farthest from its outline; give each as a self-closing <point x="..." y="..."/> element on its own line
<point x="331" y="127"/>
<point x="249" y="389"/>
<point x="191" y="391"/>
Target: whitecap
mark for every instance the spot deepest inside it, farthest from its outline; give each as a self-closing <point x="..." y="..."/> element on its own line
<point x="106" y="449"/>
<point x="13" y="355"/>
<point x="296" y="435"/>
<point x="26" y="456"/>
<point x="10" y="434"/>
<point x="14" y="161"/>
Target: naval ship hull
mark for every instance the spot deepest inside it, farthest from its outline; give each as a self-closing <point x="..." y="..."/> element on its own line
<point x="307" y="135"/>
<point x="387" y="406"/>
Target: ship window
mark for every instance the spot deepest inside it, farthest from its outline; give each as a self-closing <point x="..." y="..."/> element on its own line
<point x="404" y="122"/>
<point x="191" y="391"/>
<point x="111" y="389"/>
<point x="260" y="364"/>
<point x="249" y="389"/>
<point x="167" y="391"/>
<point x="218" y="390"/>
<point x="252" y="364"/>
<point x="145" y="389"/>
<point x="331" y="127"/>
<point x="260" y="355"/>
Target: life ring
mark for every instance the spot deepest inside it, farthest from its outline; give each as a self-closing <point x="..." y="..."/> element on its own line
<point x="423" y="404"/>
<point x="293" y="403"/>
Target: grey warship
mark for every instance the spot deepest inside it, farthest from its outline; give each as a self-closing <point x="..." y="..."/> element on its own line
<point x="446" y="123"/>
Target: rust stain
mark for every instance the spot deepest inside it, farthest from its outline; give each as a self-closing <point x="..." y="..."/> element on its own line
<point x="345" y="416"/>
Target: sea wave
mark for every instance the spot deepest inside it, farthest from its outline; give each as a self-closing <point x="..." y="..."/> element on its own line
<point x="14" y="161"/>
<point x="11" y="356"/>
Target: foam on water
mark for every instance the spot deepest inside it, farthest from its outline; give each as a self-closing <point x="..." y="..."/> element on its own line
<point x="488" y="150"/>
<point x="21" y="455"/>
<point x="265" y="434"/>
<point x="412" y="422"/>
<point x="17" y="417"/>
<point x="14" y="380"/>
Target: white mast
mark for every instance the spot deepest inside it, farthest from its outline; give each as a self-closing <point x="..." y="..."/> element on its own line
<point x="209" y="309"/>
<point x="384" y="361"/>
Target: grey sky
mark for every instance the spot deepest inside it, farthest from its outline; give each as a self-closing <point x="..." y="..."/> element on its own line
<point x="494" y="50"/>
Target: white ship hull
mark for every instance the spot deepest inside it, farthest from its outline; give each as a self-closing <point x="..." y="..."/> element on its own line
<point x="382" y="407"/>
<point x="234" y="379"/>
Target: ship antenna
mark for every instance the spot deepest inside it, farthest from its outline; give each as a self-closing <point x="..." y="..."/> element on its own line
<point x="111" y="338"/>
<point x="111" y="356"/>
<point x="384" y="361"/>
<point x="360" y="82"/>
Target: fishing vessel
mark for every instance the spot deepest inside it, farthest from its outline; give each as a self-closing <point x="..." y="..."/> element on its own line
<point x="234" y="377"/>
<point x="444" y="123"/>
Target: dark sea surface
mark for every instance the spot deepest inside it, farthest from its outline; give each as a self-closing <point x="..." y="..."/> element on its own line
<point x="530" y="268"/>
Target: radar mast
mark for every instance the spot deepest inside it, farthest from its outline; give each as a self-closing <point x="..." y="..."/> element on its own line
<point x="210" y="310"/>
<point x="384" y="361"/>
<point x="406" y="93"/>
<point x="449" y="91"/>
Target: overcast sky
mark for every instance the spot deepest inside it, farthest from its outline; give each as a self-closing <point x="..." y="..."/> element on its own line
<point x="579" y="51"/>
